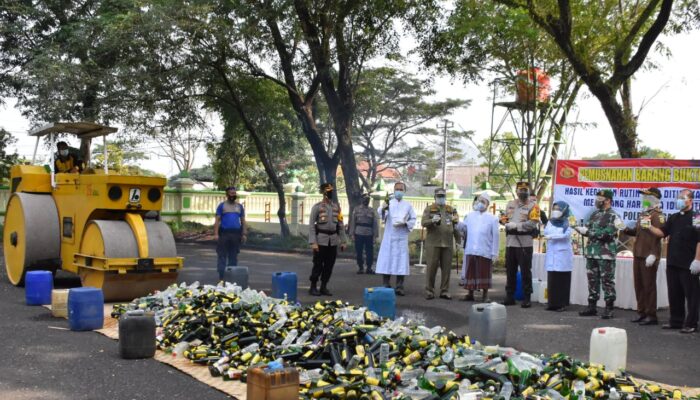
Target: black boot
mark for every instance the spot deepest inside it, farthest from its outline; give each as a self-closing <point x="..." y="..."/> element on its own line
<point x="370" y="271"/>
<point x="361" y="270"/>
<point x="589" y="311"/>
<point x="608" y="312"/>
<point x="526" y="302"/>
<point x="509" y="301"/>
<point x="313" y="290"/>
<point x="324" y="290"/>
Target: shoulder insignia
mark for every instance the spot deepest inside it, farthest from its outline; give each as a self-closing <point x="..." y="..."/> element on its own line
<point x="662" y="218"/>
<point x="449" y="208"/>
<point x="340" y="215"/>
<point x="433" y="207"/>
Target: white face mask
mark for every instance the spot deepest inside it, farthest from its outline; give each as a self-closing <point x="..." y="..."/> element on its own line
<point x="63" y="153"/>
<point x="556" y="214"/>
<point x="441" y="201"/>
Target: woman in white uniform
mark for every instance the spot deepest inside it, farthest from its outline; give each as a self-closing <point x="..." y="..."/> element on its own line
<point x="559" y="259"/>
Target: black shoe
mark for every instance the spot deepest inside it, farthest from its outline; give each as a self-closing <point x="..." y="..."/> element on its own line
<point x="360" y="271"/>
<point x="607" y="312"/>
<point x="446" y="296"/>
<point x="370" y="271"/>
<point x="429" y="296"/>
<point x="509" y="301"/>
<point x="669" y="326"/>
<point x="313" y="291"/>
<point x="589" y="311"/>
<point x="639" y="318"/>
<point x="399" y="292"/>
<point x="325" y="292"/>
<point x="689" y="330"/>
<point x="525" y="304"/>
<point x="649" y="321"/>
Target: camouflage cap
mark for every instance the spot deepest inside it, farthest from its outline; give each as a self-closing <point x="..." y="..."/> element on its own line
<point x="326" y="187"/>
<point x="652" y="191"/>
<point x="607" y="193"/>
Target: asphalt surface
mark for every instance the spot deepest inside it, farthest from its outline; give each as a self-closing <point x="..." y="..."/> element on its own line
<point x="43" y="360"/>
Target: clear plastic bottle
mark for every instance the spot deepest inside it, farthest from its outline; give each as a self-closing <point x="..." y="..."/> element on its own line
<point x="384" y="353"/>
<point x="435" y="376"/>
<point x="291" y="335"/>
<point x="448" y="356"/>
<point x="579" y="390"/>
<point x="506" y="390"/>
<point x="614" y="394"/>
<point x="303" y="338"/>
<point x="354" y="362"/>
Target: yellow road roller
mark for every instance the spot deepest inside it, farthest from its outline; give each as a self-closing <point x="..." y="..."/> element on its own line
<point x="103" y="226"/>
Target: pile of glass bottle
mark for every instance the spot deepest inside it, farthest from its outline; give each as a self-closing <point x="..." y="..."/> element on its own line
<point x="347" y="352"/>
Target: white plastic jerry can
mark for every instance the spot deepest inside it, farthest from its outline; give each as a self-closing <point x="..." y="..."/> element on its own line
<point x="609" y="347"/>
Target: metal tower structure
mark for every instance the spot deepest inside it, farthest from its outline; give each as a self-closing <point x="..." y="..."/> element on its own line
<point x="523" y="134"/>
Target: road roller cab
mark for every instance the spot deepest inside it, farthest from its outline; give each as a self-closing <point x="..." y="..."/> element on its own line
<point x="102" y="226"/>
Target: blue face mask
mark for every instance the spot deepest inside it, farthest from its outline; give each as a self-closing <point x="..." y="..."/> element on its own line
<point x="398" y="194"/>
<point x="479" y="206"/>
<point x="680" y="204"/>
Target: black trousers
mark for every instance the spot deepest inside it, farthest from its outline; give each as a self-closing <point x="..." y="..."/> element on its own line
<point x="324" y="260"/>
<point x="683" y="289"/>
<point x="559" y="288"/>
<point x="364" y="244"/>
<point x="518" y="256"/>
<point x="227" y="249"/>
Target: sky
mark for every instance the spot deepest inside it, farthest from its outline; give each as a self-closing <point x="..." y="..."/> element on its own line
<point x="668" y="121"/>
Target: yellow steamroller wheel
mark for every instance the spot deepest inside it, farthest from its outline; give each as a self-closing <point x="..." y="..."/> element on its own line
<point x="31" y="235"/>
<point x="115" y="239"/>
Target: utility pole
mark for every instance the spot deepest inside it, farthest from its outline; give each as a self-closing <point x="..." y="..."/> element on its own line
<point x="446" y="125"/>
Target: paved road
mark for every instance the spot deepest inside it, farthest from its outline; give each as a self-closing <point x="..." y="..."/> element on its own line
<point x="42" y="360"/>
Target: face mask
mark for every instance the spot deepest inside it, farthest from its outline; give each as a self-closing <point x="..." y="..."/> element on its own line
<point x="365" y="202"/>
<point x="556" y="214"/>
<point x="479" y="206"/>
<point x="599" y="204"/>
<point x="328" y="194"/>
<point x="398" y="194"/>
<point x="523" y="196"/>
<point x="441" y="201"/>
<point x="680" y="204"/>
<point x="63" y="153"/>
<point x="232" y="198"/>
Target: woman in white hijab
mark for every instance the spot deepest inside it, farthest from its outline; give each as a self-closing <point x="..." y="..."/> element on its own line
<point x="481" y="237"/>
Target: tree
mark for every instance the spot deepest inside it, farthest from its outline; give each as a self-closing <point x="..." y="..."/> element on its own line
<point x="391" y="108"/>
<point x="123" y="157"/>
<point x="644" y="152"/>
<point x="181" y="145"/>
<point x="484" y="40"/>
<point x="58" y="59"/>
<point x="6" y="160"/>
<point x="606" y="43"/>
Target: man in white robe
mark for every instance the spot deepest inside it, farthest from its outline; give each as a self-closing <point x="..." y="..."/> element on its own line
<point x="399" y="218"/>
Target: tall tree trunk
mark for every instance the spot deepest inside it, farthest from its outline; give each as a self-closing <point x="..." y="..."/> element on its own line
<point x="623" y="128"/>
<point x="262" y="153"/>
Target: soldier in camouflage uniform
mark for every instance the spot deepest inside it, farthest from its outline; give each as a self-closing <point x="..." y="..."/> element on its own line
<point x="601" y="230"/>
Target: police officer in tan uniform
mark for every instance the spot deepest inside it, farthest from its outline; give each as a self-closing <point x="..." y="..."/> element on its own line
<point x="364" y="230"/>
<point x="521" y="221"/>
<point x="647" y="253"/>
<point x="440" y="221"/>
<point x="326" y="232"/>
